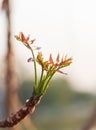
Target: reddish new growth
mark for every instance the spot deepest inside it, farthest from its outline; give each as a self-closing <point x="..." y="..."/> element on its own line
<point x="25" y="40"/>
<point x="56" y="66"/>
<point x="48" y="69"/>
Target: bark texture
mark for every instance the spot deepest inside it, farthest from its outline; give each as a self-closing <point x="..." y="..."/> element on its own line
<point x="28" y="108"/>
<point x="92" y="120"/>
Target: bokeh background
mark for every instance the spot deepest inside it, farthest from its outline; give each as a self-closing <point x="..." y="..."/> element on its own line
<point x="59" y="26"/>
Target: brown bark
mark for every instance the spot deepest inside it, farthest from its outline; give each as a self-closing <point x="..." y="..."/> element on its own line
<point x="29" y="107"/>
<point x="10" y="76"/>
<point x="91" y="121"/>
<point x="12" y="100"/>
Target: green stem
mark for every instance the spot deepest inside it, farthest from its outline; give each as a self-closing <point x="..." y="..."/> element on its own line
<point x="50" y="69"/>
<point x="47" y="82"/>
<point x="48" y="77"/>
<point x="41" y="76"/>
<point x="44" y="81"/>
<point x="46" y="85"/>
<point x="34" y="60"/>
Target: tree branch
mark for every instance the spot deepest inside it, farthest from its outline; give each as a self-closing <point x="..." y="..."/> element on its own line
<point x="28" y="108"/>
<point x="91" y="121"/>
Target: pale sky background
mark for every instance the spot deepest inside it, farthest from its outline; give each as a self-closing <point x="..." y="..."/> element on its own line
<point x="64" y="26"/>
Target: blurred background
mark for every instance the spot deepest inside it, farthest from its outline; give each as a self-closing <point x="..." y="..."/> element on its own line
<point x="59" y="26"/>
